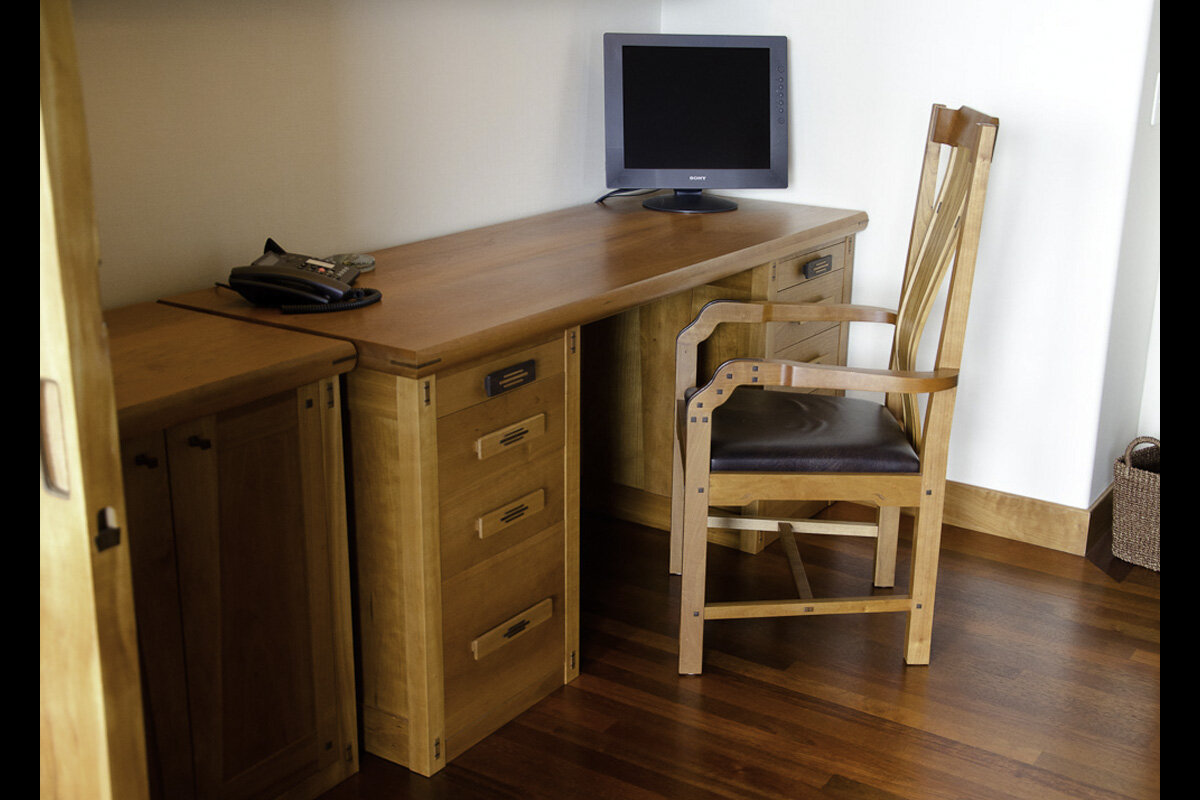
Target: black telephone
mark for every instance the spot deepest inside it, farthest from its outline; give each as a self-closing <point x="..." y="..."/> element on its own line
<point x="298" y="284"/>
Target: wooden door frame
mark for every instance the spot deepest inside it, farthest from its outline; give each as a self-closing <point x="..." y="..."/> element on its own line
<point x="92" y="736"/>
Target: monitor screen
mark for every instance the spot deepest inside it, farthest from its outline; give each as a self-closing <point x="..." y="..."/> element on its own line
<point x="694" y="112"/>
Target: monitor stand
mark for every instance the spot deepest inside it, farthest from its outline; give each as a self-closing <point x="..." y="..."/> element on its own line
<point x="689" y="201"/>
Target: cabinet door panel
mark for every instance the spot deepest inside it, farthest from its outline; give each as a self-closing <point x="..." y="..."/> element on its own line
<point x="146" y="477"/>
<point x="254" y="586"/>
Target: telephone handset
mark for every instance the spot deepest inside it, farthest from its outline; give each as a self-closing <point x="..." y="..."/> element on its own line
<point x="298" y="284"/>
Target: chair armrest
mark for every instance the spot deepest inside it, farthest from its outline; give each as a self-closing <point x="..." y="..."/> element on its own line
<point x="717" y="311"/>
<point x="775" y="372"/>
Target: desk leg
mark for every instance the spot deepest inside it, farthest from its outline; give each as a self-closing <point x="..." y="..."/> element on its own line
<point x="393" y="444"/>
<point x="571" y="500"/>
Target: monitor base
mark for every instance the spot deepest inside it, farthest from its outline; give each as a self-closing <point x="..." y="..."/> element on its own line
<point x="689" y="201"/>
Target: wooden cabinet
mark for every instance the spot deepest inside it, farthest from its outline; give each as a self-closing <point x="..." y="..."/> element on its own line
<point x="466" y="534"/>
<point x="629" y="372"/>
<point x="237" y="527"/>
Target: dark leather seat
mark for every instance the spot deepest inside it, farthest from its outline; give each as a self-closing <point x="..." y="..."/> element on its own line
<point x="777" y="431"/>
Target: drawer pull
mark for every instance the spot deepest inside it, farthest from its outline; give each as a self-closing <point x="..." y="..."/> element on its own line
<point x="515" y="629"/>
<point x="818" y="266"/>
<point x="512" y="629"/>
<point x="498" y="519"/>
<point x="513" y="436"/>
<point x="498" y="441"/>
<point x="511" y="377"/>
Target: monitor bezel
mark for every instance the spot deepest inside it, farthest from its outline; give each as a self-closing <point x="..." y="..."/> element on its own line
<point x="617" y="175"/>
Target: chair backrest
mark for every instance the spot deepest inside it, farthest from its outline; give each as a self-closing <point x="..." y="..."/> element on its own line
<point x="945" y="230"/>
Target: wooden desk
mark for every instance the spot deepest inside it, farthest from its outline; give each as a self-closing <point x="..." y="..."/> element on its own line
<point x="466" y="506"/>
<point x="455" y="298"/>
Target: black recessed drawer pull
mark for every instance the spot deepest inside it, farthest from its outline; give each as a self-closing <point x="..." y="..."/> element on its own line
<point x="510" y="377"/>
<point x="515" y="629"/>
<point x="818" y="266"/>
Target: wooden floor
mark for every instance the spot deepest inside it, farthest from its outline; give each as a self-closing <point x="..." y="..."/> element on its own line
<point x="1044" y="684"/>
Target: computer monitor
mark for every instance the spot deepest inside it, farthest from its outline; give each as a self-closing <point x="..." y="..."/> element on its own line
<point x="695" y="112"/>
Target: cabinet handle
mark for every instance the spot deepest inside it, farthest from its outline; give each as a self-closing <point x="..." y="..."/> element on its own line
<point x="108" y="533"/>
<point x="198" y="441"/>
<point x="498" y="441"/>
<point x="512" y="628"/>
<point x="818" y="266"/>
<point x="143" y="460"/>
<point x="510" y="377"/>
<point x="497" y="520"/>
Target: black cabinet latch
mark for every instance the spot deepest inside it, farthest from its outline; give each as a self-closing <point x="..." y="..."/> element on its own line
<point x="108" y="535"/>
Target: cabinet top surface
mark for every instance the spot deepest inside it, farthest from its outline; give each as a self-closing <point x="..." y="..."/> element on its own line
<point x="453" y="298"/>
<point x="168" y="363"/>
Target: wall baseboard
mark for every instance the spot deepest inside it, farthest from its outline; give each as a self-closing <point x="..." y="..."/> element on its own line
<point x="1012" y="516"/>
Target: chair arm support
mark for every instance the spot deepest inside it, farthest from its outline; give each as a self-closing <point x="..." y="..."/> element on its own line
<point x="772" y="372"/>
<point x="717" y="311"/>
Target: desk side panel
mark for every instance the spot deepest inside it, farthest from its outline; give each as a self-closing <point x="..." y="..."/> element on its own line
<point x="393" y="479"/>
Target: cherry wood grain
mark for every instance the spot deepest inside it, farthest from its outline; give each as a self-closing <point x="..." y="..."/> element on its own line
<point x="1045" y="686"/>
<point x="461" y="296"/>
<point x="170" y="364"/>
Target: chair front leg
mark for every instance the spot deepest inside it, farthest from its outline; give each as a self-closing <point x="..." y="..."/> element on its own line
<point x="927" y="538"/>
<point x="677" y="493"/>
<point x="691" y="596"/>
<point x="927" y="528"/>
<point x="695" y="546"/>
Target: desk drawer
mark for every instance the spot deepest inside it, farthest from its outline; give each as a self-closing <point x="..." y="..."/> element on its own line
<point x="484" y="442"/>
<point x="790" y="271"/>
<point x="499" y="376"/>
<point x="502" y="636"/>
<point x="479" y="520"/>
<point x="819" y="349"/>
<point x="825" y="289"/>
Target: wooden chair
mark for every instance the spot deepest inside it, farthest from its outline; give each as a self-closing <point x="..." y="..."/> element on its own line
<point x="735" y="447"/>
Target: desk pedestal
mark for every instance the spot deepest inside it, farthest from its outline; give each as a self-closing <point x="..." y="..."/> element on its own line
<point x="466" y="536"/>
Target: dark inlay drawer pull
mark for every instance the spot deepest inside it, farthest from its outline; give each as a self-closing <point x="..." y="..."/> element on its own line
<point x="498" y="519"/>
<point x="512" y="629"/>
<point x="498" y="441"/>
<point x="818" y="266"/>
<point x="510" y="377"/>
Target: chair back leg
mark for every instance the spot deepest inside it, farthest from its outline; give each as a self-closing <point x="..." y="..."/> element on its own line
<point x="886" y="536"/>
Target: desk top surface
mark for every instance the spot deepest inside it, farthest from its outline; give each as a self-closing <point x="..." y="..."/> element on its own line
<point x="171" y="365"/>
<point x="458" y="297"/>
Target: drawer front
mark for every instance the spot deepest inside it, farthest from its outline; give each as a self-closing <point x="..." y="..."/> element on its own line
<point x="825" y="289"/>
<point x="498" y="376"/>
<point x="790" y="271"/>
<point x="819" y="349"/>
<point x="479" y="520"/>
<point x="484" y="442"/>
<point x="502" y="635"/>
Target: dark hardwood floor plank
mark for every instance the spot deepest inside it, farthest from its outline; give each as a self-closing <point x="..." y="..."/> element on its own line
<point x="1044" y="685"/>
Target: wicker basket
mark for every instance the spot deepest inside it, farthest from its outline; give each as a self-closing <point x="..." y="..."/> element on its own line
<point x="1135" y="504"/>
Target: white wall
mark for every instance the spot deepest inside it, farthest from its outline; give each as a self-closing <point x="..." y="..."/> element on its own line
<point x="1129" y="407"/>
<point x="331" y="126"/>
<point x="1065" y="78"/>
